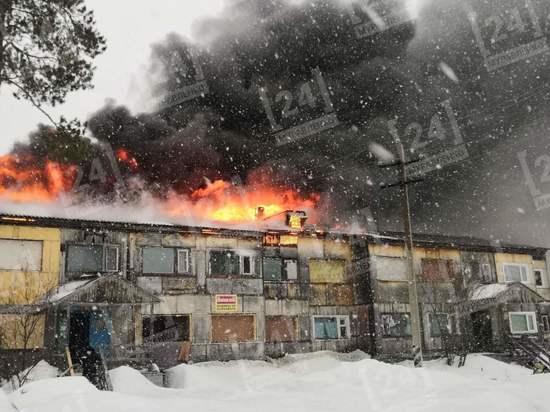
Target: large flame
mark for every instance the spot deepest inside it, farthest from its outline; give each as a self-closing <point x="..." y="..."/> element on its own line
<point x="24" y="179"/>
<point x="221" y="201"/>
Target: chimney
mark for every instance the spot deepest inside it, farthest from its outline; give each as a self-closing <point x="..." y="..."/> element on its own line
<point x="296" y="219"/>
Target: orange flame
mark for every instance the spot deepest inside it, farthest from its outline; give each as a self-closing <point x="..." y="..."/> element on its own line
<point x="220" y="201"/>
<point x="22" y="180"/>
<point x="26" y="179"/>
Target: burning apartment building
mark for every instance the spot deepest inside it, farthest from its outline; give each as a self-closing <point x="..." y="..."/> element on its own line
<point x="167" y="294"/>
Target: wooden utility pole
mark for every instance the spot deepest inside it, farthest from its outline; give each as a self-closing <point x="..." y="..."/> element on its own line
<point x="403" y="184"/>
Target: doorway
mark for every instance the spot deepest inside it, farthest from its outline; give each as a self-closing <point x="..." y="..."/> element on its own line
<point x="482" y="332"/>
<point x="79" y="333"/>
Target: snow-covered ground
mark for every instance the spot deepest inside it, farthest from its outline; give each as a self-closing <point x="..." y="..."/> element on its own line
<point x="315" y="382"/>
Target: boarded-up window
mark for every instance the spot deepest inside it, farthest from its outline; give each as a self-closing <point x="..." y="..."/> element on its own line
<point x="390" y="268"/>
<point x="232" y="328"/>
<point x="20" y="255"/>
<point x="326" y="271"/>
<point x="280" y="328"/>
<point x="438" y="269"/>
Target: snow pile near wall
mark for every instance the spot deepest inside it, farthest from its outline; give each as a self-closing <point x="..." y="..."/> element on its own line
<point x="316" y="383"/>
<point x="42" y="370"/>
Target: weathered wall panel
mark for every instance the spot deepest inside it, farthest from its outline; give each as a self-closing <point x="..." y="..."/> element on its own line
<point x="327" y="271"/>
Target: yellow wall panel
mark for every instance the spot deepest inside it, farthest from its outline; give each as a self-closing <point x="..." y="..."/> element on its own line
<point x="387" y="250"/>
<point x="326" y="271"/>
<point x="18" y="287"/>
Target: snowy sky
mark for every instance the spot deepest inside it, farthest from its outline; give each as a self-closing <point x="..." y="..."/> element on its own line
<point x="130" y="27"/>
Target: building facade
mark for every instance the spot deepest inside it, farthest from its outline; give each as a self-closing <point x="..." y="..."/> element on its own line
<point x="171" y="293"/>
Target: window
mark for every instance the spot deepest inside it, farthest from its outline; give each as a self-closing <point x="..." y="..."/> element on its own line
<point x="281" y="328"/>
<point x="539" y="275"/>
<point x="438" y="269"/>
<point x="233" y="328"/>
<point x="183" y="261"/>
<point x="396" y="324"/>
<point x="111" y="258"/>
<point x="231" y="263"/>
<point x="277" y="269"/>
<point x="21" y="255"/>
<point x="523" y="322"/>
<point x="166" y="260"/>
<point x="92" y="258"/>
<point x="545" y="323"/>
<point x="248" y="264"/>
<point x="486" y="273"/>
<point x="224" y="263"/>
<point x="391" y="268"/>
<point x="331" y="327"/>
<point x="440" y="324"/>
<point x="515" y="272"/>
<point x="165" y="328"/>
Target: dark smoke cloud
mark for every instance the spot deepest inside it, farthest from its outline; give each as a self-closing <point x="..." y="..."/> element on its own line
<point x="398" y="73"/>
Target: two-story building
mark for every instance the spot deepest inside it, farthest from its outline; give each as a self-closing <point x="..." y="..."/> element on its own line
<point x="172" y="293"/>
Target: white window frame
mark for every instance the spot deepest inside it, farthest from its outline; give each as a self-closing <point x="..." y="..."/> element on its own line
<point x="187" y="267"/>
<point x="295" y="261"/>
<point x="542" y="277"/>
<point x="533" y="315"/>
<point x="521" y="266"/>
<point x="116" y="248"/>
<point x="252" y="257"/>
<point x="338" y="318"/>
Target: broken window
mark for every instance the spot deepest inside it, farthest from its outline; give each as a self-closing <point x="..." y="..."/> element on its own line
<point x="224" y="263"/>
<point x="396" y="324"/>
<point x="331" y="327"/>
<point x="278" y="269"/>
<point x="515" y="272"/>
<point x="539" y="274"/>
<point x="92" y="258"/>
<point x="20" y="255"/>
<point x="281" y="328"/>
<point x="166" y="260"/>
<point x="165" y="328"/>
<point x="523" y="322"/>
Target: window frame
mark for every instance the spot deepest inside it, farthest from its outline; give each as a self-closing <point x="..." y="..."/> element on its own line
<point x="253" y="255"/>
<point x="284" y="273"/>
<point x="388" y="336"/>
<point x="532" y="331"/>
<point x="152" y="316"/>
<point x="542" y="275"/>
<point x="104" y="247"/>
<point x="448" y="324"/>
<point x="338" y="318"/>
<point x="545" y="321"/>
<point x="175" y="264"/>
<point x="41" y="265"/>
<point x="187" y="269"/>
<point x="520" y="266"/>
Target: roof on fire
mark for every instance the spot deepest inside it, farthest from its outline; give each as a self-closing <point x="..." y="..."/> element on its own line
<point x="420" y="239"/>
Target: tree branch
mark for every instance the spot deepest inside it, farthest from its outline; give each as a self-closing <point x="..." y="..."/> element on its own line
<point x="33" y="102"/>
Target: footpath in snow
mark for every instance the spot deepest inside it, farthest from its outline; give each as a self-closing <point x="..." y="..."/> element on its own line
<point x="317" y="382"/>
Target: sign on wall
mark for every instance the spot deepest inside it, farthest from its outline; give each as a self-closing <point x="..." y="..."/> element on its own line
<point x="225" y="303"/>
